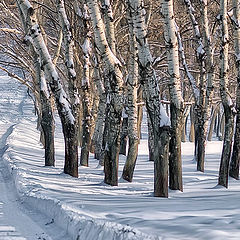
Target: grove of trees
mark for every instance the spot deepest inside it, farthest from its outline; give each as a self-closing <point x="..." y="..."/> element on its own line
<point x="99" y="63"/>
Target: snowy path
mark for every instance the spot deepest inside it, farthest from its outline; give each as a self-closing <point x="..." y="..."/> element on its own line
<point x="17" y="221"/>
<point x="88" y="209"/>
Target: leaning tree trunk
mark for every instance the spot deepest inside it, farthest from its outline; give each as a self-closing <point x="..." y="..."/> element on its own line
<point x="47" y="118"/>
<point x="176" y="105"/>
<point x="132" y="106"/>
<point x="226" y="99"/>
<point x="64" y="109"/>
<point x="114" y="96"/>
<point x="157" y="115"/>
<point x="234" y="164"/>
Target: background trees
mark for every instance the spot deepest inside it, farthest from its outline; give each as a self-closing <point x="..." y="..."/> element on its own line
<point x="96" y="58"/>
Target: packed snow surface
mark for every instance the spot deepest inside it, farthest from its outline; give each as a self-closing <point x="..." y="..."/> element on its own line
<point x="88" y="209"/>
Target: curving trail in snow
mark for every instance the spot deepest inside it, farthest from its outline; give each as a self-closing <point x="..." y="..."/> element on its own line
<point x="17" y="220"/>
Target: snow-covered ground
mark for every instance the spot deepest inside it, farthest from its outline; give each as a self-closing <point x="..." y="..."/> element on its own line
<point x="87" y="209"/>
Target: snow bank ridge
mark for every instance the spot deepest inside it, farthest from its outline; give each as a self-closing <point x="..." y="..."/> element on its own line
<point x="77" y="225"/>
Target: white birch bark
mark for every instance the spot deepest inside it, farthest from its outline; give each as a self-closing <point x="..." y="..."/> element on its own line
<point x="176" y="100"/>
<point x="225" y="96"/>
<point x="114" y="95"/>
<point x="204" y="56"/>
<point x="132" y="109"/>
<point x="159" y="120"/>
<point x="64" y="109"/>
<point x="109" y="24"/>
<point x="85" y="40"/>
<point x="68" y="43"/>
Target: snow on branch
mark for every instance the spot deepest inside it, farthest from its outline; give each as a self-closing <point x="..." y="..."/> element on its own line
<point x="13" y="75"/>
<point x="10" y="30"/>
<point x="34" y="32"/>
<point x="192" y="80"/>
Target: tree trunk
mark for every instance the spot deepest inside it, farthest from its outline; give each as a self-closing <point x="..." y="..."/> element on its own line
<point x="46" y="114"/>
<point x="150" y="140"/>
<point x="204" y="56"/>
<point x="139" y="113"/>
<point x="161" y="165"/>
<point x="176" y="105"/>
<point x="114" y="96"/>
<point x="212" y="123"/>
<point x="234" y="164"/>
<point x="192" y="131"/>
<point x="157" y="115"/>
<point x="64" y="109"/>
<point x="124" y="136"/>
<point x="85" y="85"/>
<point x="226" y="99"/>
<point x="132" y="106"/>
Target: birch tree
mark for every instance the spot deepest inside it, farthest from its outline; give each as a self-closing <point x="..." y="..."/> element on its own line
<point x="114" y="95"/>
<point x="33" y="33"/>
<point x="159" y="121"/>
<point x="225" y="96"/>
<point x="234" y="165"/>
<point x="202" y="93"/>
<point x="85" y="40"/>
<point x="132" y="83"/>
<point x="176" y="105"/>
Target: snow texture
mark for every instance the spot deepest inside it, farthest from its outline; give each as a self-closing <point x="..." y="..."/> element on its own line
<point x="88" y="209"/>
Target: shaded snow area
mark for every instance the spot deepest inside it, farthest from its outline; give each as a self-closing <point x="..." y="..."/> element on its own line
<point x="87" y="209"/>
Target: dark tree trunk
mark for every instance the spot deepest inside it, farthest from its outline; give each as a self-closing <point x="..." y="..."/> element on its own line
<point x="200" y="136"/>
<point x="139" y="122"/>
<point x="184" y="130"/>
<point x="131" y="160"/>
<point x="227" y="147"/>
<point x="71" y="149"/>
<point x="234" y="165"/>
<point x="161" y="164"/>
<point x="124" y="137"/>
<point x="150" y="140"/>
<point x="140" y="112"/>
<point x="175" y="159"/>
<point x="112" y="147"/>
<point x="48" y="128"/>
<point x="213" y="120"/>
<point x="46" y="114"/>
<point x="192" y="132"/>
<point x="86" y="130"/>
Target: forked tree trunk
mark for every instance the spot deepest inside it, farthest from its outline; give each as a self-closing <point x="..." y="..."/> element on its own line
<point x="226" y="99"/>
